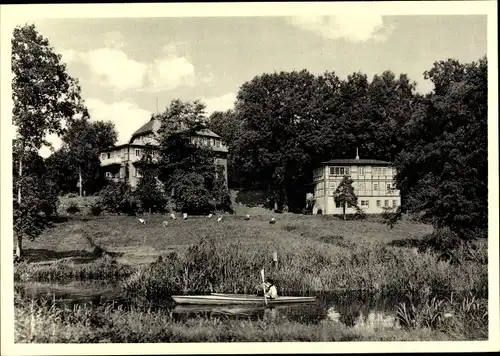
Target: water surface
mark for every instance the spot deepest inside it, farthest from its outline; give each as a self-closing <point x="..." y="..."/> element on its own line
<point x="354" y="309"/>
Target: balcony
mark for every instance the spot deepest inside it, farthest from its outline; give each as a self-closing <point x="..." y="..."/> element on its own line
<point x="113" y="159"/>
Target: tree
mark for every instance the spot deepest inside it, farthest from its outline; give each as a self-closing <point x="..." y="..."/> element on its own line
<point x="443" y="168"/>
<point x="191" y="194"/>
<point x="148" y="190"/>
<point x="224" y="123"/>
<point x="273" y="150"/>
<point x="82" y="143"/>
<point x="186" y="167"/>
<point x="344" y="195"/>
<point x="227" y="125"/>
<point x="45" y="97"/>
<point x="220" y="192"/>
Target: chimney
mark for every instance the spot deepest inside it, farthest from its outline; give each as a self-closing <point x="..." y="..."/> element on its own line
<point x="357" y="155"/>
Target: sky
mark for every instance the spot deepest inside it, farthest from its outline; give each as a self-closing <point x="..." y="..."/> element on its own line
<point x="126" y="65"/>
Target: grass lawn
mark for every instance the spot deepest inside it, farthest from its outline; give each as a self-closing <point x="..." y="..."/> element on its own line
<point x="138" y="243"/>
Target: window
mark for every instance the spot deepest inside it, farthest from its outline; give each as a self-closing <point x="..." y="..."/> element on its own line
<point x="364" y="203"/>
<point x="388" y="186"/>
<point x="333" y="187"/>
<point x="108" y="175"/>
<point x="137" y="152"/>
<point x="339" y="171"/>
<point x="394" y="203"/>
<point x="386" y="203"/>
<point x="103" y="155"/>
<point x="361" y="186"/>
<point x="361" y="170"/>
<point x="375" y="186"/>
<point x="109" y="155"/>
<point x="378" y="203"/>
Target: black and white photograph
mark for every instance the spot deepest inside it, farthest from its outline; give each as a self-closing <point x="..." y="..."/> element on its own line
<point x="249" y="177"/>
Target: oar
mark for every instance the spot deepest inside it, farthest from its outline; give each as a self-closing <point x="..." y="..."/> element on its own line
<point x="263" y="285"/>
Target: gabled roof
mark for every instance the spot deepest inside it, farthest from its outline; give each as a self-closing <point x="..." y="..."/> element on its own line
<point x="144" y="129"/>
<point x="356" y="162"/>
<point x="148" y="127"/>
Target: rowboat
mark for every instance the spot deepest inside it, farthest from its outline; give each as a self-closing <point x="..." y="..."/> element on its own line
<point x="221" y="298"/>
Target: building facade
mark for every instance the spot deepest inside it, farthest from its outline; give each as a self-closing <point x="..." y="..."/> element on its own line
<point x="373" y="183"/>
<point x="120" y="162"/>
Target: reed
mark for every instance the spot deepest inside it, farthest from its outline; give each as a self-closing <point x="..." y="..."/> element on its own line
<point x="103" y="268"/>
<point x="218" y="265"/>
<point x="45" y="323"/>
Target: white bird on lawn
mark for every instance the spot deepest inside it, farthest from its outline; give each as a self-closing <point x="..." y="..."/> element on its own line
<point x="165" y="223"/>
<point x="247" y="217"/>
<point x="210" y="216"/>
<point x="172" y="215"/>
<point x="142" y="221"/>
<point x="272" y="221"/>
<point x="219" y="219"/>
<point x="185" y="216"/>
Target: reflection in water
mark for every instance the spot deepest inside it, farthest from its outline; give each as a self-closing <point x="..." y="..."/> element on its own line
<point x="332" y="314"/>
<point x="376" y="320"/>
<point x="351" y="309"/>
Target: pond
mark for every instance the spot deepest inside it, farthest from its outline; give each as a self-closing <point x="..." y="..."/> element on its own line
<point x="354" y="309"/>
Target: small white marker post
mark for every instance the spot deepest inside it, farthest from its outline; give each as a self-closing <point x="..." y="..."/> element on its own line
<point x="275" y="259"/>
<point x="263" y="285"/>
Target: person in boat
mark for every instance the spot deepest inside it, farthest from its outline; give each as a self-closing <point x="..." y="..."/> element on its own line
<point x="271" y="291"/>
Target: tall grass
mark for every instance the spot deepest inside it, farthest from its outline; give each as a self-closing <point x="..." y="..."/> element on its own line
<point x="45" y="323"/>
<point x="104" y="268"/>
<point x="217" y="265"/>
<point x="465" y="315"/>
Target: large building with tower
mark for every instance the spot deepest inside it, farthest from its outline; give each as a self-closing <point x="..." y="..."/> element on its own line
<point x="120" y="162"/>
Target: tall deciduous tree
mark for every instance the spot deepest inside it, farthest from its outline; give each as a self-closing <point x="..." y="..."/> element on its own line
<point x="81" y="143"/>
<point x="273" y="148"/>
<point x="186" y="167"/>
<point x="227" y="125"/>
<point x="443" y="168"/>
<point x="44" y="96"/>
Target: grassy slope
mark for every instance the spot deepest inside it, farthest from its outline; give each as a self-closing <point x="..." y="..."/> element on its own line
<point x="143" y="243"/>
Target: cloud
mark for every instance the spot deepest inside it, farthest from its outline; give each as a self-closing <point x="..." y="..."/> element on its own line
<point x="111" y="67"/>
<point x="169" y="73"/>
<point x="115" y="69"/>
<point x="126" y="115"/>
<point x="220" y="103"/>
<point x="114" y="39"/>
<point x="359" y="28"/>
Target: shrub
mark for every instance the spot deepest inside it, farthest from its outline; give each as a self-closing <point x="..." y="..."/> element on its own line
<point x="119" y="198"/>
<point x="73" y="208"/>
<point x="71" y="195"/>
<point x="191" y="196"/>
<point x="96" y="208"/>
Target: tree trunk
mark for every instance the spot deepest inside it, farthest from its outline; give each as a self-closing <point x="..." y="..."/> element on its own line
<point x="343" y="208"/>
<point x="19" y="244"/>
<point x="80" y="180"/>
